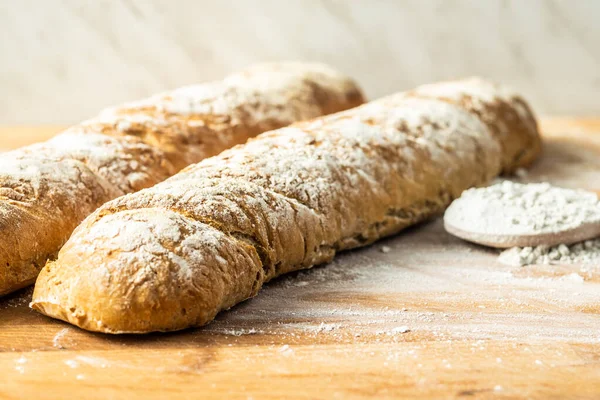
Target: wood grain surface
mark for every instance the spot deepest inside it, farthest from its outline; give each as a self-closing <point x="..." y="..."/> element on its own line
<point x="419" y="315"/>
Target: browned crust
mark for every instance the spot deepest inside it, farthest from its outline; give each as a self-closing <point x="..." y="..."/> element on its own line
<point x="174" y="255"/>
<point x="47" y="189"/>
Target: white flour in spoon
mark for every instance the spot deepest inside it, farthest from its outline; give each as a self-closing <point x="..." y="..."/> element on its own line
<point x="510" y="208"/>
<point x="530" y="209"/>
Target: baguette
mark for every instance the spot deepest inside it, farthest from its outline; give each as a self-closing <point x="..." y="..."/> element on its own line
<point x="47" y="189"/>
<point x="174" y="255"/>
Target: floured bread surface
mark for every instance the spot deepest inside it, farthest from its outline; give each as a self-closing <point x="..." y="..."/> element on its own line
<point x="501" y="109"/>
<point x="174" y="255"/>
<point x="48" y="188"/>
<point x="199" y="121"/>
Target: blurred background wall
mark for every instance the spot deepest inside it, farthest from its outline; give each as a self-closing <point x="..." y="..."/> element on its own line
<point x="62" y="61"/>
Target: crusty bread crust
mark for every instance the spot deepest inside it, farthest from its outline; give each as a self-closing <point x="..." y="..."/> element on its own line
<point x="174" y="255"/>
<point x="47" y="189"/>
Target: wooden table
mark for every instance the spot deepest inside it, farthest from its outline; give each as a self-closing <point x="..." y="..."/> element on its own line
<point x="432" y="318"/>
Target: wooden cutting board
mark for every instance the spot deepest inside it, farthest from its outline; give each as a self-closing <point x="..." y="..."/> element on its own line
<point x="433" y="317"/>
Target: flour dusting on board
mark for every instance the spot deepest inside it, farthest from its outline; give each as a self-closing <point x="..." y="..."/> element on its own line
<point x="587" y="252"/>
<point x="429" y="286"/>
<point x="58" y="339"/>
<point x="20" y="300"/>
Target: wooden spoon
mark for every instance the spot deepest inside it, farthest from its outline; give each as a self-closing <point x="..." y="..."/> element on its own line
<point x="503" y="241"/>
<point x="463" y="214"/>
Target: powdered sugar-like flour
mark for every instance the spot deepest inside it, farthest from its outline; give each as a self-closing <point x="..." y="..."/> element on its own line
<point x="587" y="252"/>
<point x="510" y="208"/>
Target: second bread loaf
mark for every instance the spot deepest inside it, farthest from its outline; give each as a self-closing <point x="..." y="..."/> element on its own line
<point x="174" y="255"/>
<point x="47" y="189"/>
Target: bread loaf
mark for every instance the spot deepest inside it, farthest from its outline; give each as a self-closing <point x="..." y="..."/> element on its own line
<point x="174" y="255"/>
<point x="47" y="189"/>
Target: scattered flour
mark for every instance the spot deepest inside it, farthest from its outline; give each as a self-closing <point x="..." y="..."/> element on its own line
<point x="18" y="300"/>
<point x="580" y="253"/>
<point x="323" y="327"/>
<point x="56" y="341"/>
<point x="400" y="329"/>
<point x="20" y="364"/>
<point x="240" y="332"/>
<point x="72" y="363"/>
<point x="510" y="208"/>
<point x="394" y="331"/>
<point x="286" y="350"/>
<point x="92" y="361"/>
